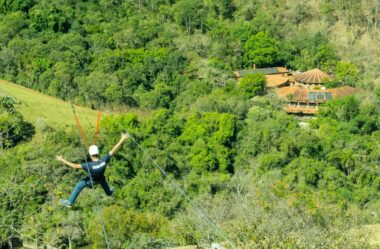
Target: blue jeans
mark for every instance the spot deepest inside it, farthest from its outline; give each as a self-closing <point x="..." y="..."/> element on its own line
<point x="86" y="182"/>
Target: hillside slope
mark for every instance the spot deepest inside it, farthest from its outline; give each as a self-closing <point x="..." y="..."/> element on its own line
<point x="37" y="107"/>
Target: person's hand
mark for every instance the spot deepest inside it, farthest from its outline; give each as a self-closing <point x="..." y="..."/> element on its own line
<point x="59" y="158"/>
<point x="124" y="136"/>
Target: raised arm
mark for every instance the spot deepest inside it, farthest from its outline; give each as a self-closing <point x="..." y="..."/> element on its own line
<point x="124" y="137"/>
<point x="70" y="164"/>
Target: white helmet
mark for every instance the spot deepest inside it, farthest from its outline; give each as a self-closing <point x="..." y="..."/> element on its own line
<point x="93" y="150"/>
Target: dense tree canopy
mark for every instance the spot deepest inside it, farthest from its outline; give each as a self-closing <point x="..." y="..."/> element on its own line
<point x="13" y="128"/>
<point x="264" y="179"/>
<point x="261" y="50"/>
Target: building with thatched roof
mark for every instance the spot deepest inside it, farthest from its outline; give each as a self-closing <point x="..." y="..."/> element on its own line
<point x="304" y="92"/>
<point x="281" y="76"/>
<point x="314" y="78"/>
<point x="306" y="101"/>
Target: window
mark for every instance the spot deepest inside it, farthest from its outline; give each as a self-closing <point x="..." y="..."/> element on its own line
<point x="312" y="96"/>
<point x="320" y="96"/>
<point x="328" y="95"/>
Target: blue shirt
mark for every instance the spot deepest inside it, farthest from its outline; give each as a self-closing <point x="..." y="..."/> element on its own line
<point x="97" y="168"/>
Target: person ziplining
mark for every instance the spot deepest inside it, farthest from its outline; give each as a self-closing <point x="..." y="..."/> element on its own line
<point x="95" y="170"/>
<point x="97" y="167"/>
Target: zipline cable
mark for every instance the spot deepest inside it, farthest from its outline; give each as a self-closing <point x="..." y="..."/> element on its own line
<point x="91" y="180"/>
<point x="196" y="209"/>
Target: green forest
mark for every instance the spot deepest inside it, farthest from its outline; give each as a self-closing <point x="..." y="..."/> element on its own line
<point x="210" y="158"/>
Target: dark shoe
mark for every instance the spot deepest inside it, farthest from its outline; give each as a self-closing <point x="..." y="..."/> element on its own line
<point x="112" y="190"/>
<point x="65" y="203"/>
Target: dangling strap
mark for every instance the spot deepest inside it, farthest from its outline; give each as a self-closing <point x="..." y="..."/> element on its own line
<point x="79" y="126"/>
<point x="97" y="128"/>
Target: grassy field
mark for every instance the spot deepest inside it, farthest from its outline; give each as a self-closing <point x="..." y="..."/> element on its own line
<point x="37" y="107"/>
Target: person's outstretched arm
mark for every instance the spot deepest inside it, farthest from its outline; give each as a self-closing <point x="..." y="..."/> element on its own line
<point x="70" y="164"/>
<point x="124" y="137"/>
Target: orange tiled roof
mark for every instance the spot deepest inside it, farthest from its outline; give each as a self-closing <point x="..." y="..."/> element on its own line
<point x="314" y="76"/>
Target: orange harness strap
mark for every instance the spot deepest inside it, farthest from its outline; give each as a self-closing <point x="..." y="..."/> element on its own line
<point x="97" y="128"/>
<point x="79" y="126"/>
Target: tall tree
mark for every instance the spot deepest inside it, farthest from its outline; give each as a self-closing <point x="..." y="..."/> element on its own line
<point x="261" y="50"/>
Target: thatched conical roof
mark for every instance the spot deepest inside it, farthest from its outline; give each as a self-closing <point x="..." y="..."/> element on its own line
<point x="314" y="76"/>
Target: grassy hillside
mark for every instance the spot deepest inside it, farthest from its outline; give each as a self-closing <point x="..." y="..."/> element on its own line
<point x="37" y="107"/>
